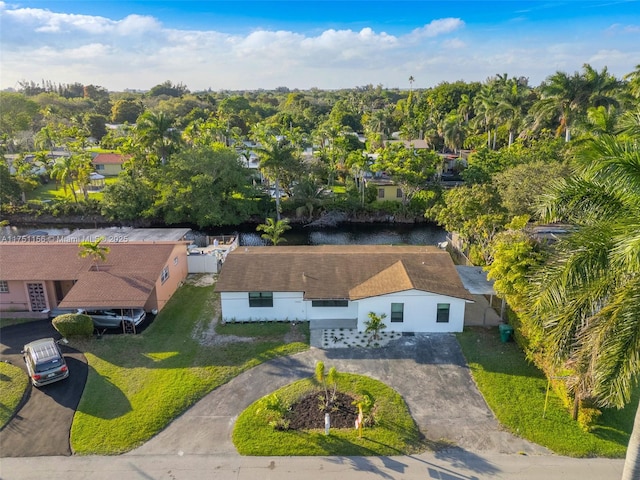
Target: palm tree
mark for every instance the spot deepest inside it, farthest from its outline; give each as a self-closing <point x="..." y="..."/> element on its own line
<point x="65" y="171"/>
<point x="453" y="131"/>
<point x="634" y="81"/>
<point x="157" y="133"/>
<point x="589" y="293"/>
<point x="375" y="325"/>
<point x="511" y="105"/>
<point x="93" y="250"/>
<point x="485" y="105"/>
<point x="276" y="154"/>
<point x="273" y="230"/>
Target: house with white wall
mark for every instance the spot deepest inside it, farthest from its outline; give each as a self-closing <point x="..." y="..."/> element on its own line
<point x="417" y="287"/>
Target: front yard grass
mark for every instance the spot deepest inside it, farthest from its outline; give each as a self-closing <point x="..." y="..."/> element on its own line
<point x="138" y="383"/>
<point x="515" y="390"/>
<point x="13" y="385"/>
<point x="395" y="432"/>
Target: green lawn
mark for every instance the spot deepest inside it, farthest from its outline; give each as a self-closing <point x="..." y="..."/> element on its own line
<point x="394" y="433"/>
<point x="138" y="384"/>
<point x="13" y="384"/>
<point x="515" y="390"/>
<point x="52" y="192"/>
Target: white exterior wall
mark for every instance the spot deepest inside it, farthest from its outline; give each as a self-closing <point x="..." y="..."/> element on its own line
<point x="286" y="306"/>
<point x="420" y="310"/>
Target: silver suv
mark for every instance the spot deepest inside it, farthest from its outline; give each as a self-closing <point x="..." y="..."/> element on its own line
<point x="45" y="362"/>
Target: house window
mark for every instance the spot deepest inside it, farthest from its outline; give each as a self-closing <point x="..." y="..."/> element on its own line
<point x="399" y="193"/>
<point x="443" y="313"/>
<point x="381" y="193"/>
<point x="329" y="303"/>
<point x="4" y="286"/>
<point x="165" y="274"/>
<point x="99" y="167"/>
<point x="261" y="299"/>
<point x="175" y="261"/>
<point x="397" y="312"/>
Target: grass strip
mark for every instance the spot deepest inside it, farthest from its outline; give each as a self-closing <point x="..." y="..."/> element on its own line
<point x="13" y="385"/>
<point x="515" y="390"/>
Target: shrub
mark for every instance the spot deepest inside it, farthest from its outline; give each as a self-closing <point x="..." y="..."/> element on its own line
<point x="73" y="324"/>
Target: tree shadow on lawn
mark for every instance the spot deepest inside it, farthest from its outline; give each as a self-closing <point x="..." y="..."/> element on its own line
<point x="113" y="402"/>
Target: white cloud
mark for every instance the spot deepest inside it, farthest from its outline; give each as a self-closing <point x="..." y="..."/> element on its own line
<point x="439" y="27"/>
<point x="139" y="52"/>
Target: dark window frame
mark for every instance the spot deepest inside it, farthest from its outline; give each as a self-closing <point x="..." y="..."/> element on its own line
<point x="443" y="312"/>
<point x="4" y="286"/>
<point x="261" y="299"/>
<point x="399" y="193"/>
<point x="380" y="192"/>
<point x="397" y="316"/>
<point x="329" y="303"/>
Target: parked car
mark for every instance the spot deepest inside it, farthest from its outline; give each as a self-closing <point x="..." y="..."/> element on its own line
<point x="45" y="362"/>
<point x="113" y="318"/>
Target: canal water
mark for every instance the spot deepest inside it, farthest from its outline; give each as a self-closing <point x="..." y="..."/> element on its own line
<point x="354" y="234"/>
<point x="346" y="234"/>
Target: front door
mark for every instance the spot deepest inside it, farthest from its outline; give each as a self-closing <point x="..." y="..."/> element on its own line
<point x="37" y="297"/>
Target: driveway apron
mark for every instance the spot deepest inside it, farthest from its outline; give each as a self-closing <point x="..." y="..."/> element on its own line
<point x="43" y="424"/>
<point x="428" y="370"/>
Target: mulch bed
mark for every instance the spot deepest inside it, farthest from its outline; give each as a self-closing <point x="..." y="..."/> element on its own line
<point x="307" y="413"/>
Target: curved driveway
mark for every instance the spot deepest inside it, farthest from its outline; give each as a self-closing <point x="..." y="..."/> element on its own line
<point x="43" y="424"/>
<point x="428" y="370"/>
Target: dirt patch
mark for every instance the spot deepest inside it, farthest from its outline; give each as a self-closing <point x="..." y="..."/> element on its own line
<point x="308" y="414"/>
<point x="201" y="279"/>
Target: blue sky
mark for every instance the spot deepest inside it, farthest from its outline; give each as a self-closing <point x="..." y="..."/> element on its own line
<point x="303" y="44"/>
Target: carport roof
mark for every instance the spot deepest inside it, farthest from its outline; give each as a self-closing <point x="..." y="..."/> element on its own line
<point x="475" y="280"/>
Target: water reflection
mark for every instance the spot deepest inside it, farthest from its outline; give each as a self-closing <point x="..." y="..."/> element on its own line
<point x="356" y="235"/>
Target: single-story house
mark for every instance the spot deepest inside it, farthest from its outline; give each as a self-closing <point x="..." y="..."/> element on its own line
<point x="387" y="189"/>
<point x="48" y="276"/>
<point x="109" y="164"/>
<point x="416" y="287"/>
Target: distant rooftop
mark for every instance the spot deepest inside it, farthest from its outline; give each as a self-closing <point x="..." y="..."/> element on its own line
<point x="125" y="234"/>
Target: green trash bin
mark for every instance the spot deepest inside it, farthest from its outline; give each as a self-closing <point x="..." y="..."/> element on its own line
<point x="506" y="332"/>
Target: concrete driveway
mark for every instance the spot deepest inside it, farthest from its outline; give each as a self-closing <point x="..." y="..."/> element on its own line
<point x="42" y="425"/>
<point x="428" y="370"/>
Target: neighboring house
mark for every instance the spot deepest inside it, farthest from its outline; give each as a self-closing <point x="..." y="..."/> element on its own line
<point x="418" y="288"/>
<point x="36" y="277"/>
<point x="387" y="189"/>
<point x="109" y="164"/>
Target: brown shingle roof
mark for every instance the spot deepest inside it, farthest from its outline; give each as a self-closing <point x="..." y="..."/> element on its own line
<point x="340" y="272"/>
<point x="125" y="279"/>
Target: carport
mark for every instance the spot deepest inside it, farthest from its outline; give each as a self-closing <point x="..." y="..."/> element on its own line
<point x="475" y="280"/>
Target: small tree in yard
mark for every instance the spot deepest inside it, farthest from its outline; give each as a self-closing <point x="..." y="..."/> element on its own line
<point x="276" y="410"/>
<point x="374" y="325"/>
<point x="329" y="383"/>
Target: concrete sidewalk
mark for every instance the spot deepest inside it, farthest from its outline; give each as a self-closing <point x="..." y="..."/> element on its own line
<point x="449" y="465"/>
